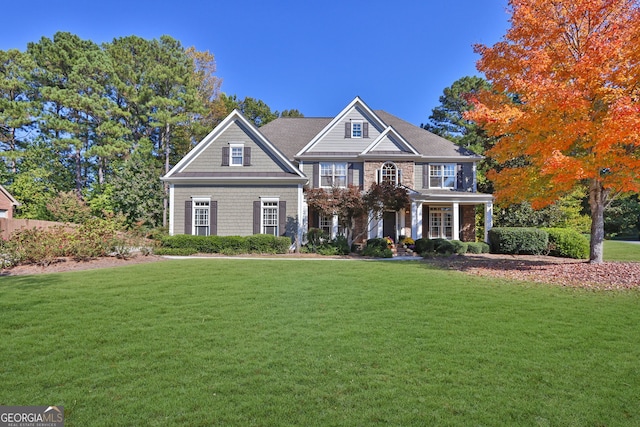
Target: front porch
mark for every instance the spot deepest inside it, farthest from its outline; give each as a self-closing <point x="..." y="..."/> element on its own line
<point x="436" y="218"/>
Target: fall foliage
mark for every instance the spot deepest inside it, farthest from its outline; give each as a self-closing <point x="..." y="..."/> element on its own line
<point x="565" y="103"/>
<point x="350" y="203"/>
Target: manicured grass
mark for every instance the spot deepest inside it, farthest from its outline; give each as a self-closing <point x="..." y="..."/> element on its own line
<point x="316" y="343"/>
<point x="619" y="250"/>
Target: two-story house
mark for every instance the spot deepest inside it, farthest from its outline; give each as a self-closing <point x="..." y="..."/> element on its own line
<point x="241" y="180"/>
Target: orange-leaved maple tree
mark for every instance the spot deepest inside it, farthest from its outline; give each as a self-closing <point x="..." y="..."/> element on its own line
<point x="565" y="103"/>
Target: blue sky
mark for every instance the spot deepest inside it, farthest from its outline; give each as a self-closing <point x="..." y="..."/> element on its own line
<point x="315" y="56"/>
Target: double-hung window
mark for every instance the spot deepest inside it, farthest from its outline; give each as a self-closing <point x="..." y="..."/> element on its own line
<point x="442" y="175"/>
<point x="356" y="129"/>
<point x="201" y="217"/>
<point x="333" y="175"/>
<point x="236" y="154"/>
<point x="325" y="223"/>
<point x="270" y="217"/>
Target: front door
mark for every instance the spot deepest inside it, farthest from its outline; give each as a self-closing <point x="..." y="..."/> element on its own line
<point x="389" y="225"/>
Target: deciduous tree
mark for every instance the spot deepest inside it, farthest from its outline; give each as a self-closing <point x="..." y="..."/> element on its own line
<point x="351" y="204"/>
<point x="575" y="67"/>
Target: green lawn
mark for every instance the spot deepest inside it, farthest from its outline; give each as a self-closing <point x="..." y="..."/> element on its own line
<point x="316" y="343"/>
<point x="619" y="250"/>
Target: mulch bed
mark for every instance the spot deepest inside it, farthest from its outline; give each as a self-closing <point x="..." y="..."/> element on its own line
<point x="545" y="269"/>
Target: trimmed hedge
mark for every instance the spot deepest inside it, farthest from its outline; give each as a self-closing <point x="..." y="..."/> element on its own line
<point x="228" y="245"/>
<point x="478" y="248"/>
<point x="567" y="243"/>
<point x="518" y="240"/>
<point x="448" y="247"/>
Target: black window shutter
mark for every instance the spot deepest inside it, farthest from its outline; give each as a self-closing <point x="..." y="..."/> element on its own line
<point x="187" y="216"/>
<point x="213" y="218"/>
<point x="460" y="178"/>
<point x="365" y="130"/>
<point x="225" y="156"/>
<point x="256" y="216"/>
<point x="282" y="218"/>
<point x="246" y="160"/>
<point x="347" y="130"/>
<point x="316" y="175"/>
<point x="349" y="173"/>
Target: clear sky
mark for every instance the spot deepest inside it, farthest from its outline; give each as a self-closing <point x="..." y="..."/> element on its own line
<point x="315" y="56"/>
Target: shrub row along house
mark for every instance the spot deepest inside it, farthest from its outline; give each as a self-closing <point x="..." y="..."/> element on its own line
<point x="241" y="180"/>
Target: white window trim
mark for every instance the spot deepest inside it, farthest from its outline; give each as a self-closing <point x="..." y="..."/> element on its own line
<point x="397" y="172"/>
<point x="333" y="174"/>
<point x="233" y="145"/>
<point x="193" y="213"/>
<point x="455" y="178"/>
<point x="360" y="122"/>
<point x="264" y="200"/>
<point x="441" y="211"/>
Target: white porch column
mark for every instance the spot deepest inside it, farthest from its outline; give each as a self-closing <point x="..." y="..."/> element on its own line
<point x="456" y="221"/>
<point x="303" y="216"/>
<point x="402" y="222"/>
<point x="371" y="226"/>
<point x="172" y="209"/>
<point x="416" y="220"/>
<point x="334" y="226"/>
<point x="488" y="219"/>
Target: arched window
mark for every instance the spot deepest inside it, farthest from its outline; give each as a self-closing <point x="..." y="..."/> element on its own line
<point x="389" y="173"/>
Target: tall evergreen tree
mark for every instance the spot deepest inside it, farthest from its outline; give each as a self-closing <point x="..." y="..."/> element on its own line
<point x="447" y="119"/>
<point x="17" y="108"/>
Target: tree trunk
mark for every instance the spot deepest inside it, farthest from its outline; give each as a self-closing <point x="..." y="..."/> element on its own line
<point x="78" y="166"/>
<point x="167" y="152"/>
<point x="597" y="201"/>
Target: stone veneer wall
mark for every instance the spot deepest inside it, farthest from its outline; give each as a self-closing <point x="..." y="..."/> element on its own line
<point x="371" y="168"/>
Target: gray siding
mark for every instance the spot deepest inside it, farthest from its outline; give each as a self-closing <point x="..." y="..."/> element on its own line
<point x="210" y="160"/>
<point x="235" y="205"/>
<point x="389" y="145"/>
<point x="334" y="140"/>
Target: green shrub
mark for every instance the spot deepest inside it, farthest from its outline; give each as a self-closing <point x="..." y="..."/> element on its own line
<point x="567" y="243"/>
<point x="422" y="246"/>
<point x="228" y="245"/>
<point x="174" y="251"/>
<point x="516" y="240"/>
<point x="459" y="247"/>
<point x="477" y="248"/>
<point x="377" y="248"/>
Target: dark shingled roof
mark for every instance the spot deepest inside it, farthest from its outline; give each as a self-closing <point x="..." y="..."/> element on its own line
<point x="425" y="142"/>
<point x="291" y="134"/>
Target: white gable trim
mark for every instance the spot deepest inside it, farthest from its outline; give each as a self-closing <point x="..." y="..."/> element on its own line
<point x="385" y="134"/>
<point x="219" y="130"/>
<point x="357" y="102"/>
